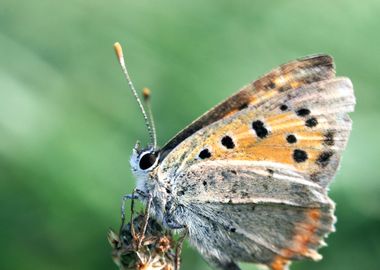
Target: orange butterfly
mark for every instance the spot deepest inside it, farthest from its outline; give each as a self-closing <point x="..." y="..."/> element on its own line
<point x="248" y="179"/>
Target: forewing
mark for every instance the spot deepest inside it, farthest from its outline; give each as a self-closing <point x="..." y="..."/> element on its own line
<point x="286" y="77"/>
<point x="306" y="128"/>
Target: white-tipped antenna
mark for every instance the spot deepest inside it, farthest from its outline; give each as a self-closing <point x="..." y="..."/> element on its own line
<point x="146" y="94"/>
<point x="120" y="57"/>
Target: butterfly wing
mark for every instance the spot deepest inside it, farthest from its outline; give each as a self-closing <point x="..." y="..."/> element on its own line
<point x="257" y="211"/>
<point x="288" y="76"/>
<point x="274" y="146"/>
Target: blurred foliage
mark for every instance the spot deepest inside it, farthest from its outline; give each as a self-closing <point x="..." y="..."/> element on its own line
<point x="68" y="121"/>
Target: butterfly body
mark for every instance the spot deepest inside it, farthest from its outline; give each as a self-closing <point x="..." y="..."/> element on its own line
<point x="249" y="178"/>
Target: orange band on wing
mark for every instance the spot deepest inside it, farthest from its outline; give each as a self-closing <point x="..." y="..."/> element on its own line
<point x="305" y="234"/>
<point x="279" y="263"/>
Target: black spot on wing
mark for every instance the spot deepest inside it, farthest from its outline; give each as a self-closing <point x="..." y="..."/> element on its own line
<point x="260" y="129"/>
<point x="300" y="156"/>
<point x="228" y="142"/>
<point x="291" y="138"/>
<point x="329" y="138"/>
<point x="283" y="107"/>
<point x="205" y="153"/>
<point x="311" y="122"/>
<point x="303" y="112"/>
<point x="324" y="158"/>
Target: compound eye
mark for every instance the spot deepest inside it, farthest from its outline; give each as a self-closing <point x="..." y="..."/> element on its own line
<point x="147" y="161"/>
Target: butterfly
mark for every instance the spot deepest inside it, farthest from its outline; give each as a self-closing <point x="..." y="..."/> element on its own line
<point x="248" y="180"/>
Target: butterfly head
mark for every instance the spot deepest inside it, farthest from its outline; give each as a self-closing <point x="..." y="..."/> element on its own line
<point x="143" y="162"/>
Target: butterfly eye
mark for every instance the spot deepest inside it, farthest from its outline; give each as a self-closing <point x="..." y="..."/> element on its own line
<point x="147" y="160"/>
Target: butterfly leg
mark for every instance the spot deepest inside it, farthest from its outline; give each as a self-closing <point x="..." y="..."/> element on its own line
<point x="146" y="219"/>
<point x="126" y="197"/>
<point x="136" y="194"/>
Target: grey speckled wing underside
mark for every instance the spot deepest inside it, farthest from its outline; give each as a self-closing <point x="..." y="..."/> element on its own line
<point x="252" y="213"/>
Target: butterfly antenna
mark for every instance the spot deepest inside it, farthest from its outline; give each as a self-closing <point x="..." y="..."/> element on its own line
<point x="120" y="57"/>
<point x="146" y="94"/>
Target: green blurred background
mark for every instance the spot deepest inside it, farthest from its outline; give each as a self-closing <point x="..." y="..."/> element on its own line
<point x="68" y="121"/>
